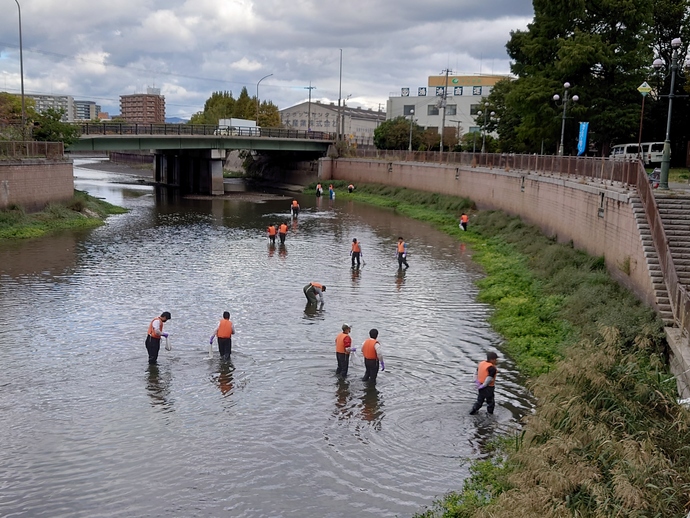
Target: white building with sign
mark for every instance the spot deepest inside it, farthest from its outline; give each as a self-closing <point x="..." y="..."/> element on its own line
<point x="463" y="99"/>
<point x="358" y="124"/>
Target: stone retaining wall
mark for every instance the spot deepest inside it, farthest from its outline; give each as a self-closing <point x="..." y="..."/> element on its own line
<point x="33" y="184"/>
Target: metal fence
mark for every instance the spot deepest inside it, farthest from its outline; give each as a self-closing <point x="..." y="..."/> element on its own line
<point x="600" y="168"/>
<point x="31" y="149"/>
<point x="677" y="293"/>
<point x="123" y="128"/>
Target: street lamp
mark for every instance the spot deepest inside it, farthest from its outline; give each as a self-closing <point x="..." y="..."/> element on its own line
<point x="257" y="97"/>
<point x="409" y="148"/>
<point x="21" y="70"/>
<point x="486" y="112"/>
<point x="566" y="100"/>
<point x="666" y="157"/>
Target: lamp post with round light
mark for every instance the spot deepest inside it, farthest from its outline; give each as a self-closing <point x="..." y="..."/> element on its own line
<point x="485" y="113"/>
<point x="666" y="157"/>
<point x="566" y="99"/>
<point x="409" y="147"/>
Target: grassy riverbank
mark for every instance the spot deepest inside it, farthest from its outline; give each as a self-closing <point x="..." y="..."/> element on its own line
<point x="82" y="211"/>
<point x="607" y="437"/>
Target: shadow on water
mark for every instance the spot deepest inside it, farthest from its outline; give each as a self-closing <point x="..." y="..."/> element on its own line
<point x="400" y="279"/>
<point x="372" y="407"/>
<point x="158" y="388"/>
<point x="225" y="377"/>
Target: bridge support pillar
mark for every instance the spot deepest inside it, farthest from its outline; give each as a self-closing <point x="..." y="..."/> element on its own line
<point x="193" y="171"/>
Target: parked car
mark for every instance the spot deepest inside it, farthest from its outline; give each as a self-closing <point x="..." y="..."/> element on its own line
<point x="625" y="151"/>
<point x="652" y="152"/>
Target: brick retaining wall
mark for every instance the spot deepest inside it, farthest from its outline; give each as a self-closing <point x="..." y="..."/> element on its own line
<point x="33" y="184"/>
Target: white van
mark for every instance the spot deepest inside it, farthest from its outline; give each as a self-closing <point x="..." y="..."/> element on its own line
<point x="652" y="152"/>
<point x="625" y="152"/>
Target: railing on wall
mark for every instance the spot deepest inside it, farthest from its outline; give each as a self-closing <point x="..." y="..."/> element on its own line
<point x="124" y="128"/>
<point x="600" y="168"/>
<point x="31" y="149"/>
<point x="677" y="293"/>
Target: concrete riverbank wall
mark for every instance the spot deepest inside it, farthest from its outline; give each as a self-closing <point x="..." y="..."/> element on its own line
<point x="596" y="217"/>
<point x="33" y="183"/>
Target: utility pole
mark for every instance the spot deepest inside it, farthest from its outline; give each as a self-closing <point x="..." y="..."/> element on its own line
<point x="310" y="88"/>
<point x="443" y="105"/>
<point x="340" y="95"/>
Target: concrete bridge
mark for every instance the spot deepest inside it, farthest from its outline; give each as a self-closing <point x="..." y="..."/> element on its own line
<point x="191" y="156"/>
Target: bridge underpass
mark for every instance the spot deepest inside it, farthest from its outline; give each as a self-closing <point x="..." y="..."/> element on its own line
<point x="191" y="157"/>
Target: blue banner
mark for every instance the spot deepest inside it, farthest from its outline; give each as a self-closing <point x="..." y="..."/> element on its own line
<point x="582" y="141"/>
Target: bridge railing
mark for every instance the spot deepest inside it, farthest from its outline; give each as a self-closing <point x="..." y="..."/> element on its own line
<point x="31" y="149"/>
<point x="126" y="128"/>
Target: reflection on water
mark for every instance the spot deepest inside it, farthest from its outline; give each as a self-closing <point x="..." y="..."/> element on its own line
<point x="275" y="424"/>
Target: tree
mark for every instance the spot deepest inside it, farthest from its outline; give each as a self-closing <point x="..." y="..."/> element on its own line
<point x="48" y="126"/>
<point x="220" y="105"/>
<point x="602" y="47"/>
<point x="269" y="116"/>
<point x="395" y="134"/>
<point x="245" y="106"/>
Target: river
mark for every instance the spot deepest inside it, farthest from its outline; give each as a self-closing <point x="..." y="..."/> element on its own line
<point x="89" y="429"/>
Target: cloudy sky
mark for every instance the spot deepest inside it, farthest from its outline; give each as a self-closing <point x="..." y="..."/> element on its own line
<point x="98" y="50"/>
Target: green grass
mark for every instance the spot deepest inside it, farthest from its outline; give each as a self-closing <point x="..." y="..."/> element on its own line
<point x="607" y="437"/>
<point x="82" y="211"/>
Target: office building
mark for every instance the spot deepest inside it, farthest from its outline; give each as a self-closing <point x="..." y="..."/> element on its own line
<point x="463" y="95"/>
<point x="86" y="110"/>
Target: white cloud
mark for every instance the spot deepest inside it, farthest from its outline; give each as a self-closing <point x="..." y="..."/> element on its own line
<point x="191" y="48"/>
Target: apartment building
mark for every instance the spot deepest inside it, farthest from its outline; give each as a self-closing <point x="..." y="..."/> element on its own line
<point x="86" y="110"/>
<point x="148" y="108"/>
<point x="57" y="102"/>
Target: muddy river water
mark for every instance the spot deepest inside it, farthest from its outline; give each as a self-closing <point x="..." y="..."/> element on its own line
<point x="89" y="429"/>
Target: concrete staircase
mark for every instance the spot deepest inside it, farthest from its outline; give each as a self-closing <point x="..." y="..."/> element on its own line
<point x="660" y="292"/>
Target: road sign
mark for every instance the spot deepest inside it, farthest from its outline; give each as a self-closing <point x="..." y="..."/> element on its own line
<point x="644" y="88"/>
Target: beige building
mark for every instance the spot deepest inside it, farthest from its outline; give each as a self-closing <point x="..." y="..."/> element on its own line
<point x="464" y="97"/>
<point x="357" y="125"/>
<point x="148" y="108"/>
<point x="57" y="102"/>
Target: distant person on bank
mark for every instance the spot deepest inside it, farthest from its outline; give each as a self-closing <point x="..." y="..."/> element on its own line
<point x="485" y="381"/>
<point x="331" y="192"/>
<point x="319" y="190"/>
<point x="314" y="290"/>
<point x="350" y="188"/>
<point x="464" y="220"/>
<point x="343" y="348"/>
<point x="154" y="334"/>
<point x="373" y="357"/>
<point x="224" y="332"/>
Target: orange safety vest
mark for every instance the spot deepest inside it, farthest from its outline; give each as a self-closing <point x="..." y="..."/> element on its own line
<point x="272" y="230"/>
<point x="483" y="372"/>
<point x="152" y="331"/>
<point x="225" y="329"/>
<point x="294" y="203"/>
<point x="355" y="247"/>
<point x="369" y="349"/>
<point x="342" y="341"/>
<point x="464" y="218"/>
<point x="401" y="247"/>
<point x="283" y="228"/>
<point x="317" y="285"/>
